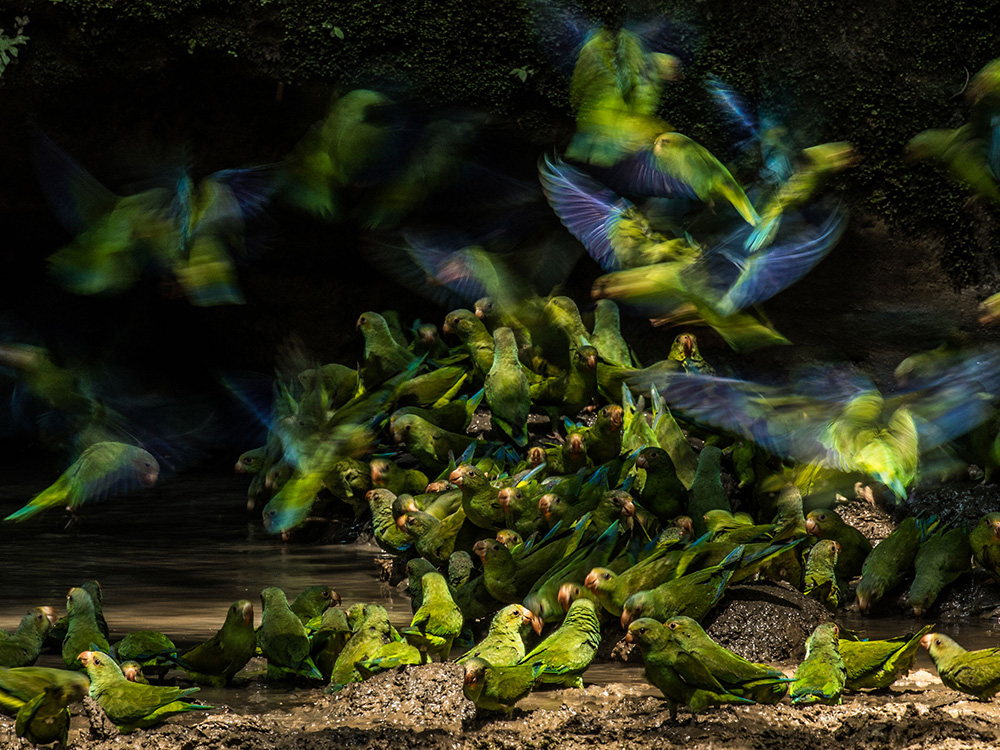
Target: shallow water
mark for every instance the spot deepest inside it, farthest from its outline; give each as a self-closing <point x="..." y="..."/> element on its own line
<point x="174" y="557"/>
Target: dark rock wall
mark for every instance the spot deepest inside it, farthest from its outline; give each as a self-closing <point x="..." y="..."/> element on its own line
<point x="223" y="83"/>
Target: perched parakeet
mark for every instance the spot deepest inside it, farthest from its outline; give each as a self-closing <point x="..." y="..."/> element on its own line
<point x="82" y="631"/>
<point x="217" y="660"/>
<point x="759" y="682"/>
<point x="564" y="656"/>
<point x="150" y="648"/>
<point x="507" y="390"/>
<point x="875" y="665"/>
<point x="390" y="656"/>
<point x="132" y="705"/>
<point x="370" y="631"/>
<point x="707" y="492"/>
<point x="985" y="542"/>
<point x="821" y="581"/>
<point x="503" y="644"/>
<point x="282" y="638"/>
<point x="438" y="621"/>
<point x="822" y="676"/>
<point x="697" y="688"/>
<point x="975" y="673"/>
<point x="313" y="601"/>
<point x="497" y="687"/>
<point x="22" y="647"/>
<point x="941" y="560"/>
<point x="328" y="640"/>
<point x="854" y="546"/>
<point x="888" y="564"/>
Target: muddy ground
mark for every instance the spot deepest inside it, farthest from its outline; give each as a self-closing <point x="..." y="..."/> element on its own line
<point x="423" y="707"/>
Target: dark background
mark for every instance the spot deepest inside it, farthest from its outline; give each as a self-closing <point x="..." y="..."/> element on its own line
<point x="121" y="84"/>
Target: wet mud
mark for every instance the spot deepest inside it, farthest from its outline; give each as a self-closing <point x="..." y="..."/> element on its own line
<point x="423" y="707"/>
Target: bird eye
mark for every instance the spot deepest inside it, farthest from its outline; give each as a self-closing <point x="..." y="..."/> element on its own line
<point x="673" y="626"/>
<point x="642" y="630"/>
<point x="606" y="576"/>
<point x="326" y="594"/>
<point x="97" y="662"/>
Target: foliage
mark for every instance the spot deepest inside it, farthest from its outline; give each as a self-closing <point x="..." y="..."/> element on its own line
<point x="9" y="44"/>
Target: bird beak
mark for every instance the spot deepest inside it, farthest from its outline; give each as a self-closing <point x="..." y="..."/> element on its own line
<point x="615" y="415"/>
<point x="926" y="641"/>
<point x="628" y="509"/>
<point x="811" y="527"/>
<point x="479" y="549"/>
<point x="334" y="598"/>
<point x="629" y="638"/>
<point x="401" y="522"/>
<point x="537" y="623"/>
<point x="565" y="596"/>
<point x="688" y="345"/>
<point x="641" y="462"/>
<point x="85" y="657"/>
<point x="50" y="613"/>
<point x="238" y="468"/>
<point x="503" y="498"/>
<point x="376" y="475"/>
<point x="456" y="476"/>
<point x="247" y="613"/>
<point x="591" y="581"/>
<point x="626" y="620"/>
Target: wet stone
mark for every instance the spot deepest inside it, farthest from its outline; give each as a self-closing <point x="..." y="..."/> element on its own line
<point x="765" y="621"/>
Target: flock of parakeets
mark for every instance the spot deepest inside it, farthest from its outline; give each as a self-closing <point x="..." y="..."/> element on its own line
<point x="617" y="519"/>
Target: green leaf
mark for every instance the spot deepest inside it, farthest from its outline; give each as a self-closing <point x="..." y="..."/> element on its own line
<point x="337" y="32"/>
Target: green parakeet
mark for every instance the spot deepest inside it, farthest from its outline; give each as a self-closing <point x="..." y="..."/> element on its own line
<point x="438" y="621"/>
<point x="389" y="656"/>
<point x="328" y="640"/>
<point x="695" y="688"/>
<point x="217" y="660"/>
<point x="888" y="564"/>
<point x="566" y="654"/>
<point x="707" y="492"/>
<point x="102" y="469"/>
<point x="313" y="601"/>
<point x="480" y="499"/>
<point x="430" y="445"/>
<point x="662" y="492"/>
<point x="282" y="638"/>
<point x="507" y="390"/>
<point x="942" y="559"/>
<point x="759" y="682"/>
<point x="821" y="581"/>
<point x="474" y="337"/>
<point x="497" y="687"/>
<point x="677" y="156"/>
<point x="82" y="631"/>
<point x="854" y="546"/>
<point x="22" y="647"/>
<point x="503" y="644"/>
<point x="975" y="673"/>
<point x="875" y="665"/>
<point x="985" y="542"/>
<point x="692" y="595"/>
<point x="371" y="631"/>
<point x="822" y="676"/>
<point x="132" y="705"/>
<point x="37" y="697"/>
<point x="150" y="648"/>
